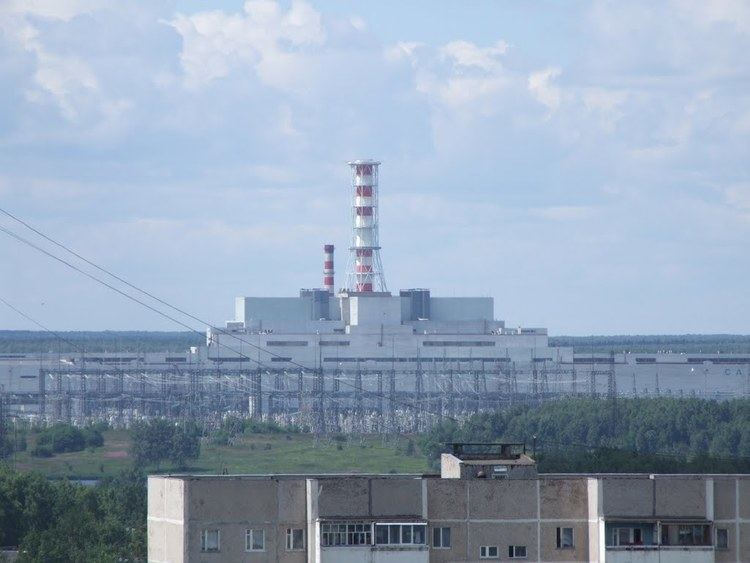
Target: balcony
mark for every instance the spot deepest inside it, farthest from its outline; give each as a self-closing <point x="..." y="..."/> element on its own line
<point x="658" y="542"/>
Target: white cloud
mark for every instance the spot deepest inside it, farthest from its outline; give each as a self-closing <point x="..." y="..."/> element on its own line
<point x="403" y="50"/>
<point x="358" y="23"/>
<point x="605" y="105"/>
<point x="465" y="54"/>
<point x="458" y="76"/>
<point x="711" y="12"/>
<point x="68" y="81"/>
<point x="65" y="80"/>
<point x="473" y="93"/>
<point x="543" y="89"/>
<point x="263" y="37"/>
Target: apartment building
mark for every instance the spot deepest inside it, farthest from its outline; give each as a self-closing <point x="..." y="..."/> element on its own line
<point x="484" y="506"/>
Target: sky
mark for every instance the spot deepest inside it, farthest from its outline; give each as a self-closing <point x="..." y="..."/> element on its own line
<point x="587" y="164"/>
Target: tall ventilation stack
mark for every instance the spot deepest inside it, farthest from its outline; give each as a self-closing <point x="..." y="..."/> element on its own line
<point x="328" y="268"/>
<point x="364" y="272"/>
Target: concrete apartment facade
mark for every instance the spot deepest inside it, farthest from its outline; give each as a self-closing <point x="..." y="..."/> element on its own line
<point x="476" y="510"/>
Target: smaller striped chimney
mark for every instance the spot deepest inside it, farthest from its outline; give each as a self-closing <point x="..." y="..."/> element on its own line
<point x="328" y="267"/>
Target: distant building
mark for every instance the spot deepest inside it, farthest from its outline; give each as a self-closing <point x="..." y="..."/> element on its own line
<point x="485" y="505"/>
<point x="363" y="325"/>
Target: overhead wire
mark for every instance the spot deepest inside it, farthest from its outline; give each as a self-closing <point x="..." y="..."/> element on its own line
<point x="540" y="442"/>
<point x="163" y="314"/>
<point x="40" y="325"/>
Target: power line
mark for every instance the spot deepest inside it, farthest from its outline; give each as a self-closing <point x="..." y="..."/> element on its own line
<point x="113" y="288"/>
<point x="165" y="315"/>
<point x="40" y="325"/>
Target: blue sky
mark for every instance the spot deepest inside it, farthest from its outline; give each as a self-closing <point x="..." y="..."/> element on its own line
<point x="585" y="163"/>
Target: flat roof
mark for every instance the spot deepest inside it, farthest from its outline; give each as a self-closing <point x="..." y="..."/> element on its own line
<point x="261" y="476"/>
<point x="522" y="460"/>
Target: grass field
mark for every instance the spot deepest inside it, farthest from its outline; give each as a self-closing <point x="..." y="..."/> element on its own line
<point x="250" y="453"/>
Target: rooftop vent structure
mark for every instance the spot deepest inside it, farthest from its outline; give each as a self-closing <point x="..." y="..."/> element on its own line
<point x="487" y="461"/>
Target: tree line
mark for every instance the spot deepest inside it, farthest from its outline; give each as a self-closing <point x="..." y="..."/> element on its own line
<point x="75" y="342"/>
<point x="650" y="344"/>
<point x="673" y="434"/>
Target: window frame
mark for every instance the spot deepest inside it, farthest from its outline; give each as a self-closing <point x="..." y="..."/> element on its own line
<point x="513" y="549"/>
<point x="389" y="526"/>
<point x="250" y="534"/>
<point x="204" y="542"/>
<point x="616" y="539"/>
<point x="345" y="530"/>
<point x="439" y="533"/>
<point x="484" y="552"/>
<point x="290" y="539"/>
<point x="725" y="543"/>
<point x="687" y="531"/>
<point x="560" y="537"/>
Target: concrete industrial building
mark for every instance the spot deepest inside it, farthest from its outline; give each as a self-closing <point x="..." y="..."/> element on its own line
<point x="364" y="323"/>
<point x="482" y="507"/>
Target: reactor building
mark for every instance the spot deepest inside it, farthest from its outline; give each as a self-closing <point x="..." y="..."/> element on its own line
<point x="364" y="325"/>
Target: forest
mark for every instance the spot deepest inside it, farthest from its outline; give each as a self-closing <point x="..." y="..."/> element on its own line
<point x="651" y="344"/>
<point x="598" y="435"/>
<point x="60" y="521"/>
<point x="76" y="342"/>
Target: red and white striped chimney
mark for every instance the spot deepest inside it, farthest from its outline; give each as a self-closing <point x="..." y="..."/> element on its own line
<point x="328" y="267"/>
<point x="364" y="273"/>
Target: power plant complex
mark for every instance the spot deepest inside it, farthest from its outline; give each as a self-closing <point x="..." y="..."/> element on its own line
<point x="364" y="325"/>
<point x="358" y="359"/>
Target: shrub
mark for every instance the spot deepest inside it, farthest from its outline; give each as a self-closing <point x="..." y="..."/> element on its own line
<point x="93" y="437"/>
<point x="221" y="438"/>
<point x="66" y="438"/>
<point x="160" y="440"/>
<point x="20" y="444"/>
<point x="41" y="451"/>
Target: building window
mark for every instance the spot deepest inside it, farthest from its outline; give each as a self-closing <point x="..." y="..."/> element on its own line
<point x="458" y="343"/>
<point x="441" y="538"/>
<point x="286" y="343"/>
<point x="627" y="536"/>
<point x="722" y="538"/>
<point x="345" y="533"/>
<point x="295" y="539"/>
<point x="693" y="534"/>
<point x="564" y="538"/>
<point x="489" y="552"/>
<point x="517" y="551"/>
<point x="255" y="540"/>
<point x="400" y="534"/>
<point x="210" y="540"/>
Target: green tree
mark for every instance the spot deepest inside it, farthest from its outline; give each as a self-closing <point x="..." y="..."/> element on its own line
<point x="159" y="440"/>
